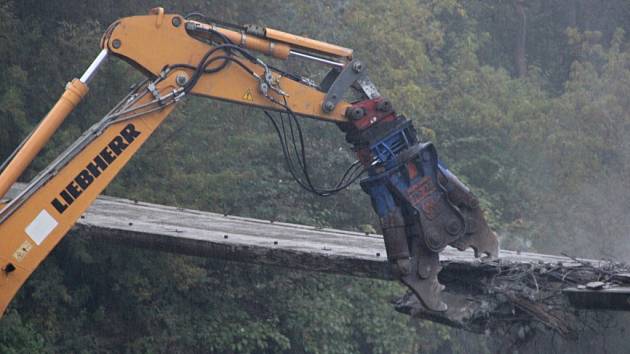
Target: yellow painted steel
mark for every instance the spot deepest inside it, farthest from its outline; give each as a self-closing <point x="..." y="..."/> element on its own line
<point x="278" y="44"/>
<point x="267" y="47"/>
<point x="13" y="236"/>
<point x="308" y="44"/>
<point x="147" y="46"/>
<point x="75" y="91"/>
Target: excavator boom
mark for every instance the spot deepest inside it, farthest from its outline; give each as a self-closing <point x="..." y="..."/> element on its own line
<point x="422" y="207"/>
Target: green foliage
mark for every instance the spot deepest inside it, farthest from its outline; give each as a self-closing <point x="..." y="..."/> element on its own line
<point x="547" y="154"/>
<point x="17" y="336"/>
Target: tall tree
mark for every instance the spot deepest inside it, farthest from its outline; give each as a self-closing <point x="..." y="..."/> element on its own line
<point x="520" y="42"/>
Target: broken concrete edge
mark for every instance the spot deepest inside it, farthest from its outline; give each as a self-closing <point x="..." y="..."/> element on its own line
<point x="526" y="296"/>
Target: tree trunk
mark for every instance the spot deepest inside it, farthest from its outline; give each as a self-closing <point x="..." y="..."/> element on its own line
<point x="520" y="58"/>
<point x="572" y="13"/>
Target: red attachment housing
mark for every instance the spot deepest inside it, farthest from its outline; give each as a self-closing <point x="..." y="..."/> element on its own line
<point x="365" y="156"/>
<point x="376" y="110"/>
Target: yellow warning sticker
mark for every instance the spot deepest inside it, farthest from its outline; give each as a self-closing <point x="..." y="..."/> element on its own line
<point x="248" y="95"/>
<point x="23" y="250"/>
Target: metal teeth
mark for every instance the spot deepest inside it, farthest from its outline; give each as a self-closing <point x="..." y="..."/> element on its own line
<point x="425" y="284"/>
<point x="482" y="243"/>
<point x="479" y="237"/>
<point x="427" y="290"/>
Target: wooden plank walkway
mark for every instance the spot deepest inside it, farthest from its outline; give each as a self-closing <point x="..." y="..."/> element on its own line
<point x="240" y="239"/>
<point x="257" y="241"/>
<point x="207" y="234"/>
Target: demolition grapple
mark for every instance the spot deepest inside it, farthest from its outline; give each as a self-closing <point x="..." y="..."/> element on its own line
<point x="422" y="206"/>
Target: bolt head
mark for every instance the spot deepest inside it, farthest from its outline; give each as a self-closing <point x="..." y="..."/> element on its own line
<point x="357" y="66"/>
<point x="116" y="43"/>
<point x="264" y="88"/>
<point x="384" y="106"/>
<point x="355" y="113"/>
<point x="181" y="79"/>
<point x="328" y="106"/>
<point x="176" y="21"/>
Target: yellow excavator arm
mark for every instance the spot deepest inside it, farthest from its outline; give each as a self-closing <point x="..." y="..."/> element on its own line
<point x="182" y="56"/>
<point x="32" y="224"/>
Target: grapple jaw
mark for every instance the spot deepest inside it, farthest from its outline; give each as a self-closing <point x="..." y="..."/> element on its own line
<point x="422" y="206"/>
<point x="478" y="234"/>
<point x="412" y="262"/>
<point x="424" y="279"/>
